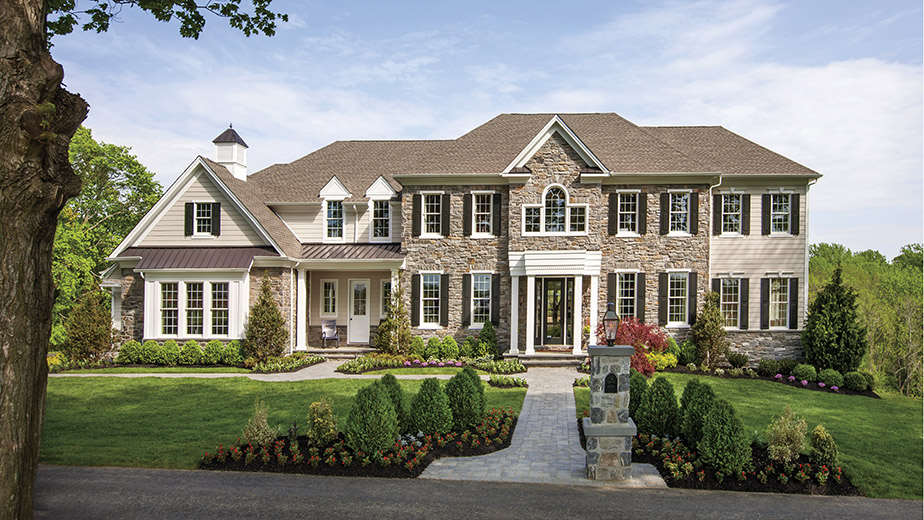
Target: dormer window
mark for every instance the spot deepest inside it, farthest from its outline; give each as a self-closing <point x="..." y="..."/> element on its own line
<point x="203" y="219"/>
<point x="555" y="216"/>
<point x="381" y="220"/>
<point x="333" y="220"/>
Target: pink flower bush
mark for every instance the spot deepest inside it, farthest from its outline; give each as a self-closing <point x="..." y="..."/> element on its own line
<point x="835" y="388"/>
<point x="458" y="363"/>
<point x="821" y="385"/>
<point x="792" y="378"/>
<point x="778" y="377"/>
<point x="441" y="364"/>
<point x="804" y="382"/>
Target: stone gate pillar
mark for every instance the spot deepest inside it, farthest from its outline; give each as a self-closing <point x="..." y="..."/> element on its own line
<point x="609" y="429"/>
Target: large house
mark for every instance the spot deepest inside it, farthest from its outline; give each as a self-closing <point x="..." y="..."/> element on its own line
<point x="531" y="221"/>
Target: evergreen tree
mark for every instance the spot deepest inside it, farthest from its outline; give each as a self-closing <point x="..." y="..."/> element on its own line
<point x="266" y="334"/>
<point x="394" y="333"/>
<point x="89" y="328"/>
<point x="708" y="332"/>
<point x="833" y="336"/>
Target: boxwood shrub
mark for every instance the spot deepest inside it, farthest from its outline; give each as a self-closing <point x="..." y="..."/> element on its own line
<point x="855" y="381"/>
<point x="211" y="355"/>
<point x="433" y="348"/>
<point x="131" y="353"/>
<point x="372" y="424"/>
<point x="232" y="353"/>
<point x="805" y="373"/>
<point x="787" y="366"/>
<point x="638" y="385"/>
<point x="170" y="353"/>
<point x="151" y="353"/>
<point x="768" y="367"/>
<point x="430" y="411"/>
<point x="449" y="349"/>
<point x="831" y="377"/>
<point x="191" y="353"/>
<point x="418" y="348"/>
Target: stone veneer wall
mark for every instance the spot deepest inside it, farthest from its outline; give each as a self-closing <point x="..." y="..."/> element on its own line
<point x="762" y="344"/>
<point x="132" y="307"/>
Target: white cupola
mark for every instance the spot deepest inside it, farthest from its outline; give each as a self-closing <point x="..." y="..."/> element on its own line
<point x="231" y="152"/>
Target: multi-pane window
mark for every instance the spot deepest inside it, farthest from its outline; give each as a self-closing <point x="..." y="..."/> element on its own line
<point x="625" y="295"/>
<point x="729" y="301"/>
<point x="203" y="218"/>
<point x="628" y="212"/>
<point x="381" y="219"/>
<point x="677" y="298"/>
<point x="329" y="298"/>
<point x="680" y="212"/>
<point x="194" y="308"/>
<point x="169" y="308"/>
<point x="555" y="207"/>
<point x="334" y="219"/>
<point x="220" y="309"/>
<point x="533" y="222"/>
<point x="481" y="298"/>
<point x="430" y="298"/>
<point x="731" y="213"/>
<point x="577" y="219"/>
<point x="779" y="302"/>
<point x="483" y="205"/>
<point x="431" y="213"/>
<point x="555" y="215"/>
<point x="779" y="212"/>
<point x="386" y="297"/>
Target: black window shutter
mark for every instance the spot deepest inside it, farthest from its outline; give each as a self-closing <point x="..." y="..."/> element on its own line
<point x="415" y="216"/>
<point x="444" y="215"/>
<point x="467" y="215"/>
<point x="793" y="303"/>
<point x="691" y="298"/>
<point x="496" y="214"/>
<point x="716" y="214"/>
<point x="694" y="213"/>
<point x="640" y="297"/>
<point x="495" y="299"/>
<point x="190" y="208"/>
<point x="466" y="299"/>
<point x="765" y="214"/>
<point x="746" y="214"/>
<point x="444" y="300"/>
<point x="743" y="294"/>
<point x="794" y="213"/>
<point x="642" y="213"/>
<point x="764" y="303"/>
<point x="415" y="298"/>
<point x="610" y="288"/>
<point x="662" y="298"/>
<point x="216" y="218"/>
<point x="665" y="213"/>
<point x="612" y="224"/>
<point x="717" y="285"/>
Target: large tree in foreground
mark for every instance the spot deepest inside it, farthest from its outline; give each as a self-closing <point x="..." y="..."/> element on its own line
<point x="38" y="117"/>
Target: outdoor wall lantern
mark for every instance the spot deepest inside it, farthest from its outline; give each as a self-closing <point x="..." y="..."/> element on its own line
<point x="610" y="324"/>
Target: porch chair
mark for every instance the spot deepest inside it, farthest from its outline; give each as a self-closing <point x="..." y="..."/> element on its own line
<point x="329" y="332"/>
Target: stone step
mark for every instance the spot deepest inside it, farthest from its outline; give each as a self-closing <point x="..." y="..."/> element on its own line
<point x="340" y="352"/>
<point x="550" y="362"/>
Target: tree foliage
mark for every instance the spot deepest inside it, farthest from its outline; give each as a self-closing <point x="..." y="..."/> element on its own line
<point x="89" y="328"/>
<point x="708" y="333"/>
<point x="833" y="336"/>
<point x="266" y="334"/>
<point x="393" y="336"/>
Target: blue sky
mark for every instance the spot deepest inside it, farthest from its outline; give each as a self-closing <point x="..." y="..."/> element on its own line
<point x="834" y="85"/>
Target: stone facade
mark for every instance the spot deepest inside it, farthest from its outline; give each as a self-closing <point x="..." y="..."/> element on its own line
<point x="609" y="429"/>
<point x="132" y="293"/>
<point x="763" y="344"/>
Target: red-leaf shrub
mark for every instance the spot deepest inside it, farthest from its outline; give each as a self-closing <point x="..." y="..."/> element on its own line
<point x="645" y="338"/>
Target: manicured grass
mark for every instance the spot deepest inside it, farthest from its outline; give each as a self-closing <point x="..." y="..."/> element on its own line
<point x="161" y="370"/>
<point x="422" y="371"/>
<point x="169" y="423"/>
<point x="879" y="440"/>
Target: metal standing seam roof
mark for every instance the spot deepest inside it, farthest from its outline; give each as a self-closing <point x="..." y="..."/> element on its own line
<point x="352" y="251"/>
<point x="196" y="257"/>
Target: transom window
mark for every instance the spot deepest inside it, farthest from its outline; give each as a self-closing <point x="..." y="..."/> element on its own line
<point x="779" y="212"/>
<point x="203" y="218"/>
<point x="680" y="212"/>
<point x="430" y="298"/>
<point x="729" y="299"/>
<point x="677" y="298"/>
<point x="329" y="298"/>
<point x="169" y="308"/>
<point x="625" y="294"/>
<point x="779" y="302"/>
<point x="381" y="219"/>
<point x="194" y="308"/>
<point x="731" y="213"/>
<point x="432" y="210"/>
<point x="334" y="220"/>
<point x="555" y="215"/>
<point x="484" y="202"/>
<point x="628" y="212"/>
<point x="481" y="298"/>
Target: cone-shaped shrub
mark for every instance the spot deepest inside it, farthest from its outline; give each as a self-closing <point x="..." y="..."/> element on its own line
<point x="150" y="353"/>
<point x="170" y="353"/>
<point x="449" y="349"/>
<point x="824" y="449"/>
<point x="418" y="348"/>
<point x="638" y="385"/>
<point x="658" y="413"/>
<point x="89" y="328"/>
<point x="322" y="423"/>
<point x="466" y="399"/>
<point x="266" y="334"/>
<point x="131" y="353"/>
<point x="373" y="423"/>
<point x="708" y="332"/>
<point x="430" y="411"/>
<point x="725" y="446"/>
<point x="469" y="347"/>
<point x="396" y="394"/>
<point x="191" y="354"/>
<point x="433" y="348"/>
<point x="695" y="403"/>
<point x="489" y="335"/>
<point x="834" y="336"/>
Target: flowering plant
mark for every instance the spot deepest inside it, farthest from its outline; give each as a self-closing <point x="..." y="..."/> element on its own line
<point x="821" y="385"/>
<point x="835" y="388"/>
<point x="778" y="376"/>
<point x="804" y="382"/>
<point x="792" y="378"/>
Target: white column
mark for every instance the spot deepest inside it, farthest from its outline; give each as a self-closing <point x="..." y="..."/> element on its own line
<point x="394" y="279"/>
<point x="578" y="312"/>
<point x="301" y="305"/>
<point x="594" y="310"/>
<point x="514" y="314"/>
<point x="530" y="315"/>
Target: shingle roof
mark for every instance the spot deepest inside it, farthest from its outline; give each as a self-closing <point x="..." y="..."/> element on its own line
<point x="351" y="251"/>
<point x="196" y="257"/>
<point x="230" y="136"/>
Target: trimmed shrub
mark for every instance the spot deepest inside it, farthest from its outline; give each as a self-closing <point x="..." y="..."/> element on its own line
<point x="322" y="423"/>
<point x="833" y="336"/>
<point x="870" y="380"/>
<point x="89" y="328"/>
<point x="688" y="353"/>
<point x="396" y="394"/>
<point x="373" y="424"/>
<point x="736" y="359"/>
<point x="658" y="413"/>
<point x="805" y="373"/>
<point x="449" y="349"/>
<point x="232" y="353"/>
<point x="433" y="348"/>
<point x="786" y="437"/>
<point x="708" y="332"/>
<point x="170" y="353"/>
<point x="258" y="431"/>
<point x="661" y="360"/>
<point x="852" y="380"/>
<point x="672" y="348"/>
<point x="695" y="404"/>
<point x="638" y="385"/>
<point x="150" y="353"/>
<point x="211" y="355"/>
<point x="725" y="446"/>
<point x="430" y="411"/>
<point x="824" y="449"/>
<point x="469" y="347"/>
<point x="191" y="354"/>
<point x="418" y="348"/>
<point x="768" y="367"/>
<point x="131" y="353"/>
<point x="831" y="377"/>
<point x="489" y="336"/>
<point x="465" y="400"/>
<point x="787" y="366"/>
<point x="265" y="335"/>
<point x="485" y="350"/>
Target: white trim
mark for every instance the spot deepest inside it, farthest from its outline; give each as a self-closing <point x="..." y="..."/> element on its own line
<point x="542" y="219"/>
<point x="722" y="233"/>
<point x="577" y="312"/>
<point x="514" y="315"/>
<point x="686" y="300"/>
<point x="334" y="190"/>
<point x="351" y="292"/>
<point x="238" y="287"/>
<point x="321" y="313"/>
<point x="471" y="298"/>
<point x="530" y="315"/>
<point x="424" y="324"/>
<point x="371" y="205"/>
<point x="670" y="232"/>
<point x="555" y="263"/>
<point x="423" y="214"/>
<point x="380" y="189"/>
<point x="116" y="307"/>
<point x="195" y="227"/>
<point x="554" y="125"/>
<point x="333" y="240"/>
<point x="301" y="304"/>
<point x="638" y="196"/>
<point x="475" y="234"/>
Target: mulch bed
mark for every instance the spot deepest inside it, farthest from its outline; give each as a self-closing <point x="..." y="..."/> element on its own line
<point x="795" y="384"/>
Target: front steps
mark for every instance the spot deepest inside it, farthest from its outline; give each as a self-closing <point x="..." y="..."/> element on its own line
<point x="339" y="352"/>
<point x="549" y="359"/>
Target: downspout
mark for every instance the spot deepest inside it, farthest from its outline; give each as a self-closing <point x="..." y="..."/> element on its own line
<point x="805" y="289"/>
<point x="711" y="231"/>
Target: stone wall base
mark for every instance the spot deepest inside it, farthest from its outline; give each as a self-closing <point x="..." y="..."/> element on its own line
<point x="609" y="455"/>
<point x="766" y="344"/>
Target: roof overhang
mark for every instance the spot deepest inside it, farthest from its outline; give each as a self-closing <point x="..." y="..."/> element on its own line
<point x="555" y="125"/>
<point x="420" y="179"/>
<point x="662" y="177"/>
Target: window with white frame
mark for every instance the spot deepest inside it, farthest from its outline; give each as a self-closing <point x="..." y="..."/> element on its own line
<point x="577" y="219"/>
<point x="220" y="308"/>
<point x="386" y="298"/>
<point x="432" y="210"/>
<point x="169" y="308"/>
<point x="555" y="208"/>
<point x="381" y="220"/>
<point x="677" y="298"/>
<point x="680" y="212"/>
<point x="625" y="294"/>
<point x="194" y="308"/>
<point x="430" y="298"/>
<point x="627" y="213"/>
<point x="779" y="302"/>
<point x="333" y="219"/>
<point x="481" y="298"/>
<point x="532" y="220"/>
<point x="555" y="216"/>
<point x="729" y="301"/>
<point x="328" y="298"/>
<point x="780" y="212"/>
<point x="483" y="214"/>
<point x="731" y="213"/>
<point x="203" y="218"/>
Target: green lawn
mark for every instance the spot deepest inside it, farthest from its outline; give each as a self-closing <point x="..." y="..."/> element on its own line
<point x="161" y="370"/>
<point x="422" y="371"/>
<point x="170" y="423"/>
<point x="880" y="440"/>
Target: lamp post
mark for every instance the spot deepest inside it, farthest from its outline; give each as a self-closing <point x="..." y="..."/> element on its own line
<point x="610" y="324"/>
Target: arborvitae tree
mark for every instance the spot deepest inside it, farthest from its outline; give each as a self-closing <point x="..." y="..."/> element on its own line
<point x="638" y="385"/>
<point x="833" y="336"/>
<point x="266" y="334"/>
<point x="466" y="399"/>
<point x="373" y="423"/>
<point x="658" y="413"/>
<point x="89" y="328"/>
<point x="396" y="394"/>
<point x="695" y="403"/>
<point x="725" y="446"/>
<point x="489" y="336"/>
<point x="430" y="411"/>
<point x="394" y="333"/>
<point x="709" y="331"/>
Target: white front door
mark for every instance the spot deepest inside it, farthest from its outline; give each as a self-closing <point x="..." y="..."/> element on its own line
<point x="358" y="328"/>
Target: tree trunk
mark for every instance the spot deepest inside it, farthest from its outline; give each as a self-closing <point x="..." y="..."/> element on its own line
<point x="37" y="120"/>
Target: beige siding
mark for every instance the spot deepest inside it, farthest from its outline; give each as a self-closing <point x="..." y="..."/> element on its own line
<point x="306" y="221"/>
<point x="236" y="229"/>
<point x="396" y="222"/>
<point x="343" y="279"/>
<point x="364" y="222"/>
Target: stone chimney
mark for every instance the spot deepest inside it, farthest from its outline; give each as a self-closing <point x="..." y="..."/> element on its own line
<point x="231" y="152"/>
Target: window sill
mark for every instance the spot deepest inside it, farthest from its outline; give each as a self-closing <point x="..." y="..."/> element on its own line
<point x="432" y="237"/>
<point x="627" y="234"/>
<point x="476" y="326"/>
<point x="207" y="236"/>
<point x="430" y="326"/>
<point x="574" y="234"/>
<point x="677" y="326"/>
<point x="380" y="240"/>
<point x="730" y="235"/>
<point x="482" y="236"/>
<point x="780" y="235"/>
<point x="679" y="234"/>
